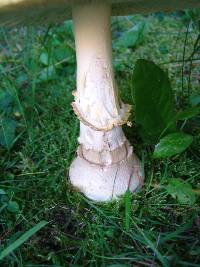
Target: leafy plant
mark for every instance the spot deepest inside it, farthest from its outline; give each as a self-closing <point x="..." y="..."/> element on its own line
<point x="154" y="108"/>
<point x="181" y="190"/>
<point x="157" y="121"/>
<point x="8" y="204"/>
<point x="155" y="111"/>
<point x="58" y="49"/>
<point x="172" y="144"/>
<point x="134" y="36"/>
<point x="188" y="113"/>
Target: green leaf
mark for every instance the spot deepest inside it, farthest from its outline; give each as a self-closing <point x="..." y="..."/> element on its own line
<point x="182" y="191"/>
<point x="188" y="113"/>
<point x="14" y="237"/>
<point x="13" y="207"/>
<point x="22" y="239"/>
<point x="5" y="101"/>
<point x="44" y="58"/>
<point x="172" y="144"/>
<point x="64" y="52"/>
<point x="134" y="36"/>
<point x="195" y="100"/>
<point x="154" y="107"/>
<point x="47" y="74"/>
<point x="7" y="132"/>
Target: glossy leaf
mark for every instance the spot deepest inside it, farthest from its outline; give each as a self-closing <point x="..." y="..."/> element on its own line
<point x="172" y="144"/>
<point x="154" y="107"/>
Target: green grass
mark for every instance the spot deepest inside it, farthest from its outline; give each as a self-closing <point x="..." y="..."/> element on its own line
<point x="148" y="229"/>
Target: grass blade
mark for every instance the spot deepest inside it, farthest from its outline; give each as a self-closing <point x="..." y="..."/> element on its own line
<point x="127" y="199"/>
<point x="150" y="243"/>
<point x="22" y="239"/>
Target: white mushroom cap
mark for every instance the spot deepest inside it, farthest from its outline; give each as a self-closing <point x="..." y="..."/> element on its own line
<point x="13" y="12"/>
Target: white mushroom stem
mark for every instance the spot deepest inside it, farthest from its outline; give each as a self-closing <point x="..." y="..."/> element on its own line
<point x="105" y="166"/>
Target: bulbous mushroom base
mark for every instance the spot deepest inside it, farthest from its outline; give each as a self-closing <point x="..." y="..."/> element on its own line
<point x="105" y="183"/>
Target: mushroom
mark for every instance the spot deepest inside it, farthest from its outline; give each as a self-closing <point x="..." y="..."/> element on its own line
<point x="105" y="166"/>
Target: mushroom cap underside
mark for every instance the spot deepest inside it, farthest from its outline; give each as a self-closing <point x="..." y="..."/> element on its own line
<point x="25" y="12"/>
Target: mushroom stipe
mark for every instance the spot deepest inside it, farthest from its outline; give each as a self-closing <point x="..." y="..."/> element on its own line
<point x="105" y="166"/>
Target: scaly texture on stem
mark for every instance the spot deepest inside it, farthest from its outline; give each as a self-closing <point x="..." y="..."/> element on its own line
<point x="96" y="100"/>
<point x="105" y="166"/>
